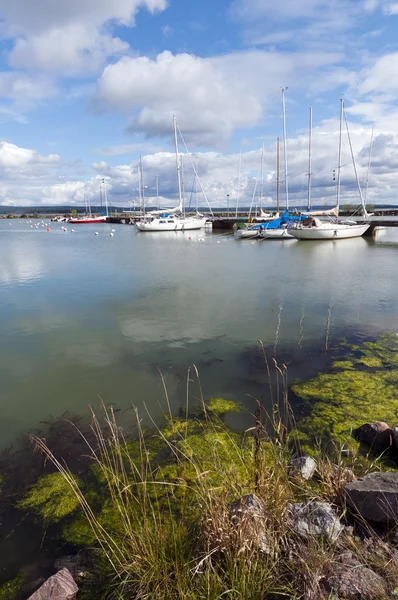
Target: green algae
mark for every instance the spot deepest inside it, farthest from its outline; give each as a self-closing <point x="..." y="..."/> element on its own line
<point x="221" y="406"/>
<point x="11" y="589"/>
<point x="51" y="499"/>
<point x="362" y="388"/>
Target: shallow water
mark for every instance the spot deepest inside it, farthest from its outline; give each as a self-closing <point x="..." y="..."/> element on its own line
<point x="86" y="316"/>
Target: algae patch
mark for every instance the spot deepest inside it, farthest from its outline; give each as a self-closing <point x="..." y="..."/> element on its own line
<point x="51" y="499"/>
<point x="360" y="388"/>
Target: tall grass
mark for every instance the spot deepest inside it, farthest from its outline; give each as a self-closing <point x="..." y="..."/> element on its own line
<point x="169" y="533"/>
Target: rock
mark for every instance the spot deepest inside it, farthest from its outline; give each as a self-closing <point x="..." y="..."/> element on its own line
<point x="81" y="566"/>
<point x="315" y="519"/>
<point x="377" y="436"/>
<point x="352" y="581"/>
<point x="60" y="586"/>
<point x="248" y="514"/>
<point x="374" y="497"/>
<point x="302" y="465"/>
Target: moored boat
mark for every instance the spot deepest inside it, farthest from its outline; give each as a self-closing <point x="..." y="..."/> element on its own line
<point x="312" y="228"/>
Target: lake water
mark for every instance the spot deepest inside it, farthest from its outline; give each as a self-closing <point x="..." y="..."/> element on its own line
<point x="86" y="316"/>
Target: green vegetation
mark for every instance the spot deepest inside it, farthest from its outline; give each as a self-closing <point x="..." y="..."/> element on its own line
<point x="10" y="590"/>
<point x="157" y="507"/>
<point x="51" y="498"/>
<point x="360" y="389"/>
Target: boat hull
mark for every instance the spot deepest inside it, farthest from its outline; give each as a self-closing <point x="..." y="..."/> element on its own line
<point x="241" y="234"/>
<point x="276" y="234"/>
<point x="330" y="232"/>
<point x="84" y="220"/>
<point x="176" y="225"/>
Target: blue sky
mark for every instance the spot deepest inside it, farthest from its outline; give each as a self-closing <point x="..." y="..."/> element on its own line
<point x="87" y="86"/>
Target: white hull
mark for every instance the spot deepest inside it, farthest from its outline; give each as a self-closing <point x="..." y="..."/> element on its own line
<point x="241" y="234"/>
<point x="171" y="224"/>
<point x="329" y="231"/>
<point x="276" y="234"/>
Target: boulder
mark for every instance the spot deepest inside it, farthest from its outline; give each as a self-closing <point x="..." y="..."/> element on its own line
<point x="248" y="514"/>
<point x="303" y="466"/>
<point x="315" y="519"/>
<point x="377" y="436"/>
<point x="353" y="581"/>
<point x="374" y="497"/>
<point x="60" y="586"/>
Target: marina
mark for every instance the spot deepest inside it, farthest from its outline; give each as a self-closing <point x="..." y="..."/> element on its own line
<point x="97" y="315"/>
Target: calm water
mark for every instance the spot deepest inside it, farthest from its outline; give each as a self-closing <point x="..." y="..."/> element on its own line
<point x="84" y="316"/>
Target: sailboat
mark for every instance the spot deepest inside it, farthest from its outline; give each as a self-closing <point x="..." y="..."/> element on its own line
<point x="253" y="230"/>
<point x="277" y="229"/>
<point x="174" y="219"/>
<point x="88" y="217"/>
<point x="312" y="228"/>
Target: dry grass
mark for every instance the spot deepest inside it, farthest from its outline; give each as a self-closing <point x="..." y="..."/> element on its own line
<point x="171" y="535"/>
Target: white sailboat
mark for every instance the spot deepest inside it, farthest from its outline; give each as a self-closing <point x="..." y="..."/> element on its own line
<point x="254" y="231"/>
<point x="280" y="229"/>
<point x="174" y="219"/>
<point x="312" y="228"/>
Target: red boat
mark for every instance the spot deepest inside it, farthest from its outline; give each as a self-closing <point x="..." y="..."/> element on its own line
<point x="88" y="219"/>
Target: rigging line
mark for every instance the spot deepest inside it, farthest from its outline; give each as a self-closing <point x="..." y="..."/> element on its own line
<point x="195" y="171"/>
<point x="369" y="161"/>
<point x="238" y="190"/>
<point x="355" y="166"/>
<point x="253" y="196"/>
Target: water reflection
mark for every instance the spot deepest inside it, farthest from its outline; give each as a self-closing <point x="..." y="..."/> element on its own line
<point x="86" y="315"/>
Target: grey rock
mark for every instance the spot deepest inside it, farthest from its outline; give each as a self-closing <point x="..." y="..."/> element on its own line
<point x="377" y="436"/>
<point x="248" y="514"/>
<point x="302" y="465"/>
<point x="60" y="586"/>
<point x="355" y="582"/>
<point x="315" y="519"/>
<point x="374" y="497"/>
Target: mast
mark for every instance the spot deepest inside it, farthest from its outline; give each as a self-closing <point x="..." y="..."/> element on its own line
<point x="278" y="174"/>
<point x="177" y="163"/>
<point x="339" y="159"/>
<point x="157" y="191"/>
<point x="238" y="190"/>
<point x="284" y="147"/>
<point x="262" y="179"/>
<point x="370" y="158"/>
<point x="309" y="161"/>
<point x="106" y="197"/>
<point x="142" y="187"/>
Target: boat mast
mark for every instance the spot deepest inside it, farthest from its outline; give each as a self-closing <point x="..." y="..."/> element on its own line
<point x="142" y="187"/>
<point x="278" y="175"/>
<point x="177" y="164"/>
<point x="309" y="161"/>
<point x="106" y="197"/>
<point x="262" y="179"/>
<point x="238" y="190"/>
<point x="157" y="192"/>
<point x="284" y="147"/>
<point x="369" y="161"/>
<point x="339" y="159"/>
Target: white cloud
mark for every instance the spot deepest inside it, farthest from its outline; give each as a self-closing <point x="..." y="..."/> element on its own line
<point x="73" y="35"/>
<point x="23" y="91"/>
<point x="128" y="149"/>
<point x="211" y="97"/>
<point x="71" y="50"/>
<point x="14" y="157"/>
<point x="382" y="76"/>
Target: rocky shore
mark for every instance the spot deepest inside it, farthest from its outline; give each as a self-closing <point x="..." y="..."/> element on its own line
<point x="192" y="509"/>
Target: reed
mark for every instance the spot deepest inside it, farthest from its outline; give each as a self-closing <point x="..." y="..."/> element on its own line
<point x="168" y="532"/>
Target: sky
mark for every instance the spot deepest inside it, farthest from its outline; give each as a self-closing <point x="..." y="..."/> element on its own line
<point x="89" y="86"/>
